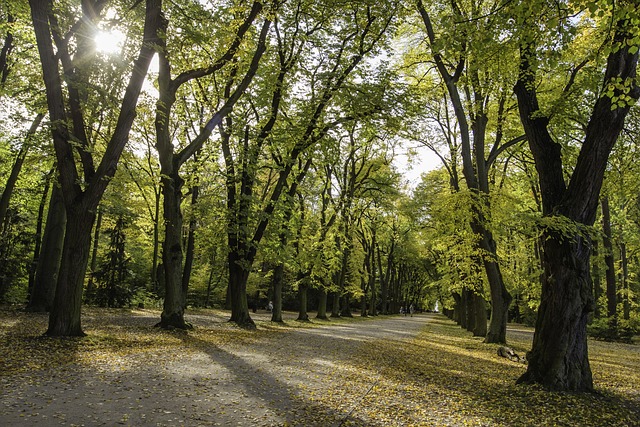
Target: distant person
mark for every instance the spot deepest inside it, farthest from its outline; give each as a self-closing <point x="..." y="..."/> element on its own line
<point x="270" y="306"/>
<point x="402" y="310"/>
<point x="411" y="310"/>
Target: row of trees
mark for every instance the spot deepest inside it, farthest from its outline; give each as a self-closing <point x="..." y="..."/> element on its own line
<point x="272" y="127"/>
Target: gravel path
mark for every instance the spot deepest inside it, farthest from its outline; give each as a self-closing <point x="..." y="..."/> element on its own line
<point x="285" y="380"/>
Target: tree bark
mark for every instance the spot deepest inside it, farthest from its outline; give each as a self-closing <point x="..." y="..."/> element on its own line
<point x="302" y="298"/>
<point x="70" y="135"/>
<point x="238" y="275"/>
<point x="173" y="307"/>
<point x="559" y="357"/>
<point x="64" y="318"/>
<point x="44" y="287"/>
<point x="322" y="305"/>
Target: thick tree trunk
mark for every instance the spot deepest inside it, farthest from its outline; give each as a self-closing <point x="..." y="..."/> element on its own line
<point x="65" y="315"/>
<point x="479" y="315"/>
<point x="558" y="358"/>
<point x="238" y="276"/>
<point x="44" y="287"/>
<point x="465" y="304"/>
<point x="500" y="301"/>
<point x="173" y="308"/>
<point x="322" y="305"/>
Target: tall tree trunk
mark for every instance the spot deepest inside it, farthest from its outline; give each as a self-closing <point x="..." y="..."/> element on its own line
<point x="238" y="275"/>
<point x="465" y="304"/>
<point x="458" y="308"/>
<point x="346" y="307"/>
<point x="44" y="287"/>
<point x="373" y="310"/>
<point x="71" y="142"/>
<point x="173" y="308"/>
<point x="64" y="318"/>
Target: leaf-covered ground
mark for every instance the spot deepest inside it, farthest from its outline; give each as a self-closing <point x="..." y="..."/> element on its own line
<point x="387" y="371"/>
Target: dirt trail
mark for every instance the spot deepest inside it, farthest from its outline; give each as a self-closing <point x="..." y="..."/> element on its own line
<point x="285" y="380"/>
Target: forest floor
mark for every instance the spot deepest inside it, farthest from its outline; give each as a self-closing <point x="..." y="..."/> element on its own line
<point x="383" y="371"/>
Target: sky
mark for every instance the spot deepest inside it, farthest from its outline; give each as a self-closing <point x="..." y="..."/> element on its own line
<point x="424" y="160"/>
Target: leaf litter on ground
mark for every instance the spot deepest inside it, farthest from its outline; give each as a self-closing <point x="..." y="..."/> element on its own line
<point x="280" y="375"/>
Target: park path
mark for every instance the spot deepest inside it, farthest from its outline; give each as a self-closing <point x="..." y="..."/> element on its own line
<point x="305" y="377"/>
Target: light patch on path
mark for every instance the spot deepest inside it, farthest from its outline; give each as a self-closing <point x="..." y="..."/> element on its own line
<point x="283" y="381"/>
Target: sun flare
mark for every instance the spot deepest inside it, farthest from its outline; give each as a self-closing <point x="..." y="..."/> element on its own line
<point x="109" y="41"/>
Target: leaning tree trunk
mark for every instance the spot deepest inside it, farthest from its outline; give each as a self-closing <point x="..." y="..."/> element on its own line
<point x="64" y="319"/>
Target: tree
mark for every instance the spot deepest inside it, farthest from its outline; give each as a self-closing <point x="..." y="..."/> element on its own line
<point x="559" y="356"/>
<point x="171" y="162"/>
<point x="338" y="41"/>
<point x="469" y="81"/>
<point x="82" y="184"/>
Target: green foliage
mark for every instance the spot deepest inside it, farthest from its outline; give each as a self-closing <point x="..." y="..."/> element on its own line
<point x="608" y="329"/>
